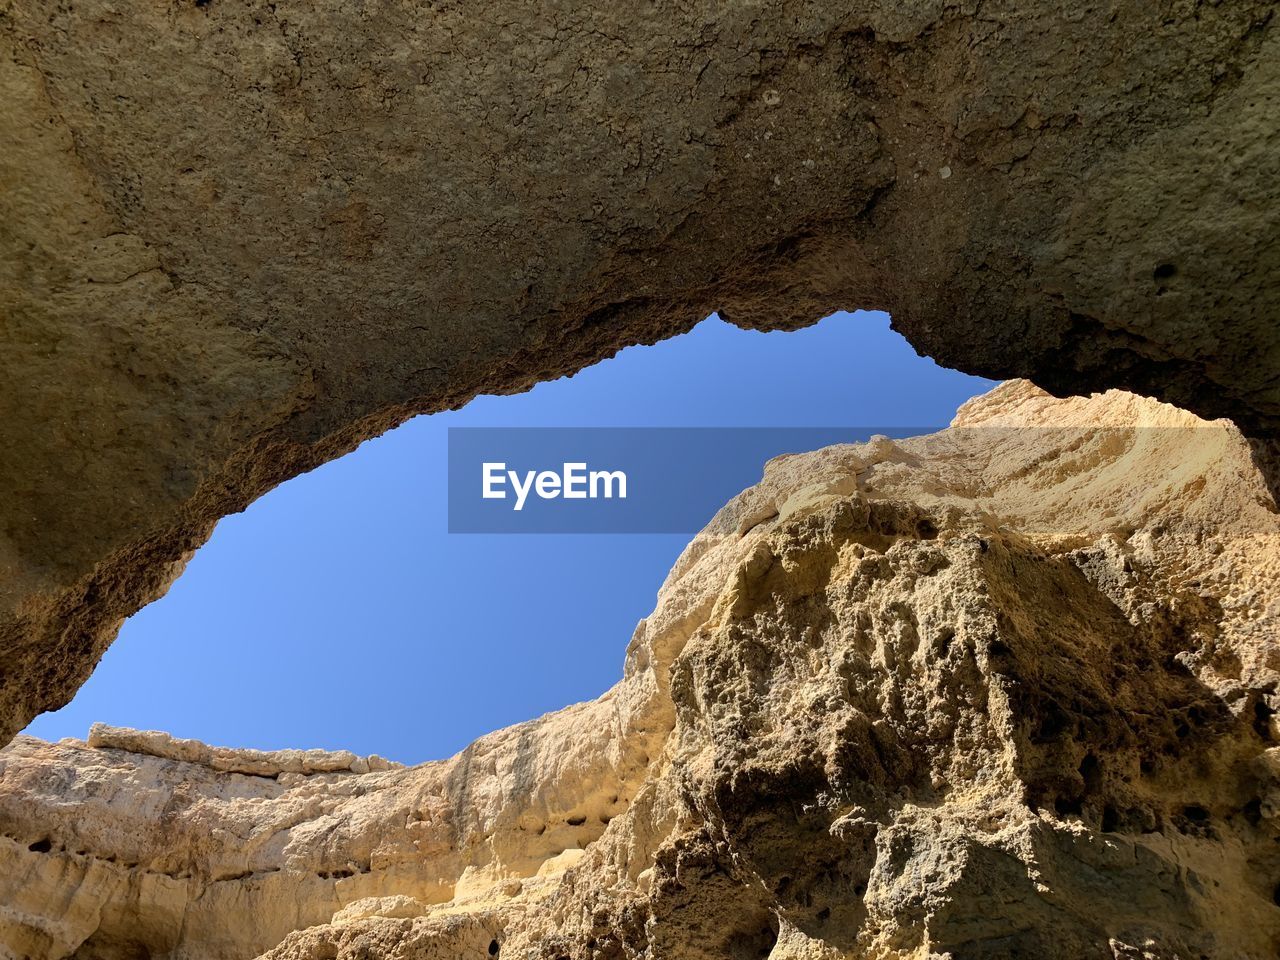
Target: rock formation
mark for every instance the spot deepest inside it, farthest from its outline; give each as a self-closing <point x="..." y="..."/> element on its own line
<point x="237" y="238"/>
<point x="1009" y="690"/>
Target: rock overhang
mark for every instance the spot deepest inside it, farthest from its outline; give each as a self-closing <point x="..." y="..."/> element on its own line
<point x="238" y="240"/>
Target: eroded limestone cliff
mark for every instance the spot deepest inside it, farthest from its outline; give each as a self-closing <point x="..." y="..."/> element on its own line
<point x="237" y="238"/>
<point x="1009" y="690"/>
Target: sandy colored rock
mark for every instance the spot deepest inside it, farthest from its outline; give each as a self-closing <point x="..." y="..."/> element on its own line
<point x="262" y="763"/>
<point x="1006" y="690"/>
<point x="237" y="239"/>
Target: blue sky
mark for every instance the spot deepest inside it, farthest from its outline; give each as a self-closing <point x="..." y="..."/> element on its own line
<point x="338" y="612"/>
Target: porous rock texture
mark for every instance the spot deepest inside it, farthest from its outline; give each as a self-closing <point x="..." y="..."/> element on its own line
<point x="237" y="238"/>
<point x="1009" y="690"/>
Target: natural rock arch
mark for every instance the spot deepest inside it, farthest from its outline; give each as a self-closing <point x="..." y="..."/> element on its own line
<point x="238" y="239"/>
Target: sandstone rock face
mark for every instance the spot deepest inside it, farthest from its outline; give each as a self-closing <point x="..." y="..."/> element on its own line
<point x="236" y="239"/>
<point x="1009" y="690"/>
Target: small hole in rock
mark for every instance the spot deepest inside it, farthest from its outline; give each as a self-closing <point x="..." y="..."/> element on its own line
<point x="576" y="821"/>
<point x="1091" y="773"/>
<point x="41" y="846"/>
<point x="1164" y="271"/>
<point x="943" y="643"/>
<point x="1066" y="806"/>
<point x="1110" y="819"/>
<point x="1195" y="813"/>
<point x="1055" y="724"/>
<point x="493" y="948"/>
<point x="1262" y="719"/>
<point x="1253" y="812"/>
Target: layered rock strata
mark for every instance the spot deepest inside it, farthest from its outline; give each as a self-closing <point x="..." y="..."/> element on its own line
<point x="1009" y="690"/>
<point x="237" y="238"/>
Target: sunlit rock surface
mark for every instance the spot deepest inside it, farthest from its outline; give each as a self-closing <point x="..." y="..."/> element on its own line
<point x="1009" y="690"/>
<point x="237" y="237"/>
